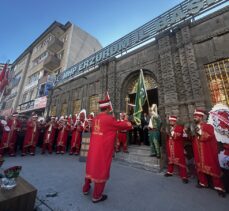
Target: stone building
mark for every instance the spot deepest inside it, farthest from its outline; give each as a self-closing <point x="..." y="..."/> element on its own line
<point x="57" y="48"/>
<point x="185" y="67"/>
<point x="180" y="67"/>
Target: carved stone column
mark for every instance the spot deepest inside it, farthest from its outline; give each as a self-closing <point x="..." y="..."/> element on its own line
<point x="167" y="72"/>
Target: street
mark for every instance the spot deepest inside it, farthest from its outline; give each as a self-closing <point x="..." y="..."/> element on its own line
<point x="129" y="189"/>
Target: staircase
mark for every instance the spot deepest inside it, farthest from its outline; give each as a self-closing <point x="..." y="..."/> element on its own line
<point x="139" y="157"/>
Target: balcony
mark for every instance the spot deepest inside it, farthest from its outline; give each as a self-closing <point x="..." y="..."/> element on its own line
<point x="29" y="105"/>
<point x="55" y="45"/>
<point x="51" y="62"/>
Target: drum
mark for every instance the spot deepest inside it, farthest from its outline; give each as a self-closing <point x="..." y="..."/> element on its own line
<point x="84" y="147"/>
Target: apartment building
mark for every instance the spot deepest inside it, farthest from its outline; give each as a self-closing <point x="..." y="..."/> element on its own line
<point x="57" y="48"/>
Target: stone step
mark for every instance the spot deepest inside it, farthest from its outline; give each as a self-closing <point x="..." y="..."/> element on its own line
<point x="138" y="156"/>
<point x="141" y="150"/>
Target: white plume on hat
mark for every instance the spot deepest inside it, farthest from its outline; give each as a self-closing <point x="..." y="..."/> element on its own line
<point x="153" y="110"/>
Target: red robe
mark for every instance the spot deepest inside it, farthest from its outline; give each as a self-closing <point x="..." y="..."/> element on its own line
<point x="122" y="139"/>
<point x="50" y="133"/>
<point x="76" y="137"/>
<point x="175" y="147"/>
<point x="206" y="151"/>
<point x="63" y="135"/>
<point x="9" y="138"/>
<point x="4" y="139"/>
<point x="32" y="134"/>
<point x="102" y="140"/>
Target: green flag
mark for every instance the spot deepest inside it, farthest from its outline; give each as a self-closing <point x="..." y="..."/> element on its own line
<point x="140" y="99"/>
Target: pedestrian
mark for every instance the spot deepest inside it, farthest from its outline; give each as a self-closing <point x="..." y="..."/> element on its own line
<point x="102" y="140"/>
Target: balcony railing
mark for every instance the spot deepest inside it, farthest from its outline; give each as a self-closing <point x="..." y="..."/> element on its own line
<point x="26" y="106"/>
<point x="51" y="62"/>
<point x="55" y="45"/>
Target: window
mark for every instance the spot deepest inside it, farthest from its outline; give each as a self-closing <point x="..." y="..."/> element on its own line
<point x="93" y="104"/>
<point x="40" y="58"/>
<point x="24" y="97"/>
<point x="76" y="106"/>
<point x="31" y="94"/>
<point x="33" y="78"/>
<point x="53" y="110"/>
<point x="218" y="81"/>
<point x="44" y="43"/>
<point x="41" y="90"/>
<point x="64" y="109"/>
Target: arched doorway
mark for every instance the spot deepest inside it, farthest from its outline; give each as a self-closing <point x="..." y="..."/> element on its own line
<point x="152" y="91"/>
<point x="139" y="135"/>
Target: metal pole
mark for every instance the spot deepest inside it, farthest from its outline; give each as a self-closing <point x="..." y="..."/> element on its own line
<point x="50" y="102"/>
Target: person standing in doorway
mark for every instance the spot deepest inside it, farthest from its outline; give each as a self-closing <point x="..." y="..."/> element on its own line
<point x="154" y="132"/>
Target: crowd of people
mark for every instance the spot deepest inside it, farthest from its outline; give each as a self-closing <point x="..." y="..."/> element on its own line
<point x="49" y="135"/>
<point x="54" y="135"/>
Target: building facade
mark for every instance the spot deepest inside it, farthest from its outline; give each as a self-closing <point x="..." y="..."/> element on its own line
<point x="56" y="49"/>
<point x="184" y="68"/>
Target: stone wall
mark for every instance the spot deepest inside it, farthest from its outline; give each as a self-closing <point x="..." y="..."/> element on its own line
<point x="175" y="60"/>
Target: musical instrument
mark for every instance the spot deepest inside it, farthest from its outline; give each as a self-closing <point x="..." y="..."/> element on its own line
<point x="7" y="128"/>
<point x="3" y="122"/>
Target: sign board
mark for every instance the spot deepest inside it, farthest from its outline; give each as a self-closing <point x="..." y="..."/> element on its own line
<point x="183" y="11"/>
<point x="6" y="112"/>
<point x="40" y="102"/>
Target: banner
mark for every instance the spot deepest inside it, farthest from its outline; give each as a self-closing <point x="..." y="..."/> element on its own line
<point x="140" y="99"/>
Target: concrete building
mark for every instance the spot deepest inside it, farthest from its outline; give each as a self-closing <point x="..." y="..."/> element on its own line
<point x="185" y="67"/>
<point x="56" y="49"/>
<point x="4" y="95"/>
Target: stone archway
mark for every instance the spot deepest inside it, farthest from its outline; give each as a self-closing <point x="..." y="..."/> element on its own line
<point x="129" y="89"/>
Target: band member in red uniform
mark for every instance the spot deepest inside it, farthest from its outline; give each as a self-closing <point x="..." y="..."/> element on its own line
<point x="9" y="136"/>
<point x="4" y="145"/>
<point x="206" y="154"/>
<point x="64" y="128"/>
<point x="122" y="136"/>
<point x="31" y="136"/>
<point x="49" y="135"/>
<point x="104" y="129"/>
<point x="175" y="149"/>
<point x="88" y="121"/>
<point x="76" y="138"/>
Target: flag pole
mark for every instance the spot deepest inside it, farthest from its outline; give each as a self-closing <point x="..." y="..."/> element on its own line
<point x="2" y="94"/>
<point x="145" y="87"/>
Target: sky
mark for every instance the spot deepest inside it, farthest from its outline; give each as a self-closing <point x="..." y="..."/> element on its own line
<point x="22" y="21"/>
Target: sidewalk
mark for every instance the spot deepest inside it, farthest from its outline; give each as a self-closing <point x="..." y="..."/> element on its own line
<point x="128" y="189"/>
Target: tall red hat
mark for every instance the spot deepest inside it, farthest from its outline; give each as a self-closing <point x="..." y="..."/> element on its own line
<point x="199" y="112"/>
<point x="105" y="104"/>
<point x="173" y="118"/>
<point x="15" y="113"/>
